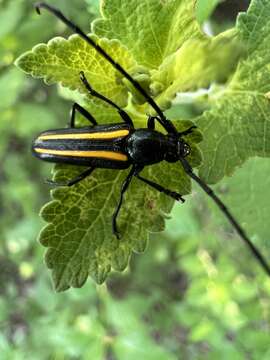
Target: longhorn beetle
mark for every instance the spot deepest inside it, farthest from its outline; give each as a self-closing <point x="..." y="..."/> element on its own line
<point x="119" y="146"/>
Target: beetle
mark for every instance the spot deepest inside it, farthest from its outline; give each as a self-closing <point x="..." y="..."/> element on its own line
<point x="120" y="146"/>
<point x="111" y="146"/>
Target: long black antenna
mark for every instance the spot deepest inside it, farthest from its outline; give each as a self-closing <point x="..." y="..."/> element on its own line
<point x="168" y="125"/>
<point x="161" y="117"/>
<point x="188" y="169"/>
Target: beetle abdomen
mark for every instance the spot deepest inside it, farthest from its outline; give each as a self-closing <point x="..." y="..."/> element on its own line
<point x="98" y="146"/>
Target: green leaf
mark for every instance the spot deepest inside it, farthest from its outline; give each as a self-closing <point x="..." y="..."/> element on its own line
<point x="197" y="64"/>
<point x="151" y="29"/>
<point x="93" y="6"/>
<point x="204" y="9"/>
<point x="202" y="331"/>
<point x="11" y="84"/>
<point x="79" y="235"/>
<point x="62" y="60"/>
<point x="10" y="16"/>
<point x="236" y="128"/>
<point x="135" y="340"/>
<point x="175" y="51"/>
<point x="244" y="193"/>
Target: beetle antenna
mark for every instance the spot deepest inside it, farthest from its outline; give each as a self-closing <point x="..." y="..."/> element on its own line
<point x="188" y="169"/>
<point x="161" y="117"/>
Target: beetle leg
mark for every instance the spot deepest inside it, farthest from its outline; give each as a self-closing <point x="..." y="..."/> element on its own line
<point x="161" y="189"/>
<point x="81" y="110"/>
<point x="188" y="131"/>
<point x="124" y="188"/>
<point x="74" y="181"/>
<point x="94" y="93"/>
<point x="151" y="122"/>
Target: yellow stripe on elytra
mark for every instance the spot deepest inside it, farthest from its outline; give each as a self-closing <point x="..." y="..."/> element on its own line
<point x="95" y="135"/>
<point x="110" y="155"/>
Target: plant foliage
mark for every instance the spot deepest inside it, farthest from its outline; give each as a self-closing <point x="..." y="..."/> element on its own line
<point x="190" y="296"/>
<point x="161" y="44"/>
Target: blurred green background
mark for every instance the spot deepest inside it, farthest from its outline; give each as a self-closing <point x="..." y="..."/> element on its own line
<point x="190" y="296"/>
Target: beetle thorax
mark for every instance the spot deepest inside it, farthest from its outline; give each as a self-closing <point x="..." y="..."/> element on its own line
<point x="148" y="147"/>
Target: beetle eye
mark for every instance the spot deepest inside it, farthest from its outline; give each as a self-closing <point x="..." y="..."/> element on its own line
<point x="184" y="149"/>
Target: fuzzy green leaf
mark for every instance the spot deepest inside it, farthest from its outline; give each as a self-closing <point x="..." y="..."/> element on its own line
<point x="10" y="17"/>
<point x="237" y="126"/>
<point x="151" y="29"/>
<point x="244" y="193"/>
<point x="204" y="9"/>
<point x="197" y="64"/>
<point x="79" y="235"/>
<point x="170" y="44"/>
<point x="62" y="60"/>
